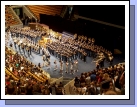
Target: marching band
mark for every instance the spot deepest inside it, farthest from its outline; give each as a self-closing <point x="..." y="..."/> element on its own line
<point x="67" y="50"/>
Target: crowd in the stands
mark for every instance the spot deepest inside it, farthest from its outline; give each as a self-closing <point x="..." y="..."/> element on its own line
<point x="102" y="81"/>
<point x="24" y="78"/>
<point x="10" y="19"/>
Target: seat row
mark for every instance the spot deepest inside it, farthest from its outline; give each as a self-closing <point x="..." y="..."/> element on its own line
<point x="10" y="19"/>
<point x="45" y="9"/>
<point x="40" y="78"/>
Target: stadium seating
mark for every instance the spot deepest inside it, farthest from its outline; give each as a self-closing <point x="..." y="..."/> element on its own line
<point x="10" y="19"/>
<point x="45" y="9"/>
<point x="17" y="77"/>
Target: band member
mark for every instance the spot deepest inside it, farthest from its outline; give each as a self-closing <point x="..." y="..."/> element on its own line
<point x="39" y="49"/>
<point x="84" y="56"/>
<point x="25" y="45"/>
<point x="43" y="57"/>
<point x="59" y="55"/>
<point x="76" y="65"/>
<point x="67" y="57"/>
<point x="61" y="67"/>
<point x="70" y="57"/>
<point x="15" y="44"/>
<point x="55" y="63"/>
<point x="35" y="48"/>
<point x="75" y="36"/>
<point x="30" y="49"/>
<point x="71" y="69"/>
<point x="48" y="55"/>
<point x="43" y="52"/>
<point x="39" y="65"/>
<point x="67" y="68"/>
<point x="75" y="56"/>
<point x="22" y="46"/>
<point x="97" y="65"/>
<point x="93" y="40"/>
<point x="103" y="59"/>
<point x="60" y="38"/>
<point x="48" y="64"/>
<point x="19" y="45"/>
<point x="27" y="49"/>
<point x="111" y="59"/>
<point x="10" y="44"/>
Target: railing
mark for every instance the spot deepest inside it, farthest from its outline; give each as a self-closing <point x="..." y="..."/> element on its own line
<point x="34" y="16"/>
<point x="67" y="87"/>
<point x="16" y="15"/>
<point x="63" y="11"/>
<point x="57" y="81"/>
<point x="45" y="9"/>
<point x="10" y="18"/>
<point x="19" y="25"/>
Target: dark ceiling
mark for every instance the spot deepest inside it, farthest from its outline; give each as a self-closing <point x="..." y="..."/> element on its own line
<point x="114" y="14"/>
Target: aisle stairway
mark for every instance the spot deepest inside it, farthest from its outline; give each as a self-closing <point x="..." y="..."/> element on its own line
<point x="10" y="18"/>
<point x="45" y="9"/>
<point x="66" y="80"/>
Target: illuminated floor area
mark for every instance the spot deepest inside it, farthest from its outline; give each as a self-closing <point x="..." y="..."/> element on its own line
<point x="83" y="67"/>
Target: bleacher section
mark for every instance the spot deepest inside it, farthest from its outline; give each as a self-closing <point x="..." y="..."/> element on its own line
<point x="45" y="9"/>
<point x="10" y="18"/>
<point x="42" y="78"/>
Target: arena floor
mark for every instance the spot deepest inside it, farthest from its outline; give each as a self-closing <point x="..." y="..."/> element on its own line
<point x="83" y="67"/>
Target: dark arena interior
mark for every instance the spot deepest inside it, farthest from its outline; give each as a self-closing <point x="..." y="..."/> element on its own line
<point x="65" y="50"/>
